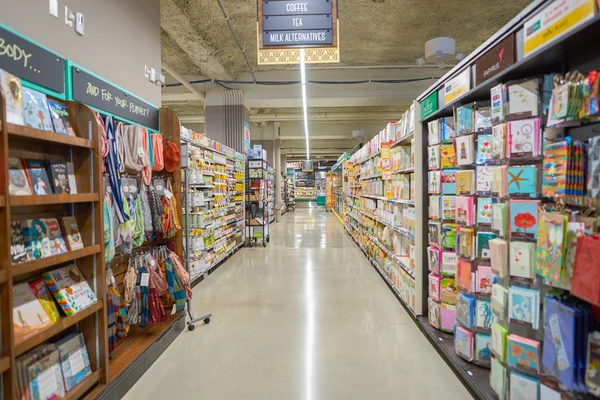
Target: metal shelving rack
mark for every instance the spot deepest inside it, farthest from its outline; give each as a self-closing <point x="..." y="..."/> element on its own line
<point x="257" y="202"/>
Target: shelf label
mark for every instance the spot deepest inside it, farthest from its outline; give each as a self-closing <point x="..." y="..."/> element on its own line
<point x="31" y="62"/>
<point x="554" y="21"/>
<point x="495" y="60"/>
<point x="457" y="86"/>
<point x="292" y="23"/>
<point x="429" y="105"/>
<point x="296" y="7"/>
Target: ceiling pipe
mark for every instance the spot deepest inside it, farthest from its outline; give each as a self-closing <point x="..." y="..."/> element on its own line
<point x="183" y="81"/>
<point x="312" y="117"/>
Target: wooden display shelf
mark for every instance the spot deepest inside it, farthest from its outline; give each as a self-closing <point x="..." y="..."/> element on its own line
<point x="30" y="133"/>
<point x="35" y="200"/>
<point x="3" y="276"/>
<point x="2" y="200"/>
<point x="4" y="364"/>
<point x="42" y="263"/>
<point x="58" y="327"/>
<point x="83" y="386"/>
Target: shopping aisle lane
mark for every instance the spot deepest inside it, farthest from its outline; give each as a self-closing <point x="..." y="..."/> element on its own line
<point x="305" y="318"/>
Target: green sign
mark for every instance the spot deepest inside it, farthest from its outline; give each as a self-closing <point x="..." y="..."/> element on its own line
<point x="429" y="105"/>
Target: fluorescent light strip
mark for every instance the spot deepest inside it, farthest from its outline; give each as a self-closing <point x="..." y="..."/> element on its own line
<point x="304" y="107"/>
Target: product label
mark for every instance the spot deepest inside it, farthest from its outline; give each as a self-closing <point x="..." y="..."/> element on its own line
<point x="145" y="278"/>
<point x="457" y="86"/>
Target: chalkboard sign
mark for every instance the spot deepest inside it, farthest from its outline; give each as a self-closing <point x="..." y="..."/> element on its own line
<point x="97" y="93"/>
<point x="31" y="62"/>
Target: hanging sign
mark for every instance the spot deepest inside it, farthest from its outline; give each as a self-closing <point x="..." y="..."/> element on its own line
<point x="97" y="93"/>
<point x="307" y="166"/>
<point x="554" y="21"/>
<point x="305" y="7"/>
<point x="429" y="105"/>
<point x="457" y="86"/>
<point x="294" y="164"/>
<point x="31" y="62"/>
<point x="495" y="60"/>
<point x="385" y="164"/>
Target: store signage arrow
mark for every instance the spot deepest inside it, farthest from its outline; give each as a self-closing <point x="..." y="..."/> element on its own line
<point x="296" y="7"/>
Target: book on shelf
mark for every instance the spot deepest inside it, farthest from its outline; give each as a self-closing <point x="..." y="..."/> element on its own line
<point x="71" y="177"/>
<point x="45" y="298"/>
<point x="18" y="184"/>
<point x="37" y="241"/>
<point x="29" y="316"/>
<point x="35" y="110"/>
<point x="72" y="234"/>
<point x="60" y="118"/>
<point x="38" y="177"/>
<point x="74" y="360"/>
<point x="18" y="251"/>
<point x="70" y="289"/>
<point x="10" y="86"/>
<point x="57" y="172"/>
<point x="57" y="242"/>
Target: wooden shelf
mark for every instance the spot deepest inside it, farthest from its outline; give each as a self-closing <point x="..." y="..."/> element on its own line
<point x="42" y="263"/>
<point x="3" y="276"/>
<point x="59" y="326"/>
<point x="20" y="201"/>
<point x="30" y="133"/>
<point x="78" y="391"/>
<point x="4" y="364"/>
<point x="2" y="201"/>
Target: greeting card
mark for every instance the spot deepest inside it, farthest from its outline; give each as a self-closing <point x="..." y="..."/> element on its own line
<point x="449" y="208"/>
<point x="464" y="119"/>
<point x="465" y="210"/>
<point x="499" y="300"/>
<point x="485" y="278"/>
<point x="10" y="86"/>
<point x="550" y="249"/>
<point x="435" y="182"/>
<point x="433" y="132"/>
<point x="435" y="234"/>
<point x="483" y="314"/>
<point x="449" y="290"/>
<point x="483" y="351"/>
<point x="523" y="352"/>
<point x="499" y="96"/>
<point x="524" y="218"/>
<point x="499" y="181"/>
<point x="449" y="181"/>
<point x="465" y="182"/>
<point x="483" y="182"/>
<point x="499" y="256"/>
<point x="466" y="240"/>
<point x="500" y="218"/>
<point x="483" y="244"/>
<point x="498" y="378"/>
<point x="483" y="117"/>
<point x="465" y="309"/>
<point x="449" y="263"/>
<point x="434" y="157"/>
<point x="593" y="185"/>
<point x="499" y="142"/>
<point x="435" y="287"/>
<point x="524" y="99"/>
<point x="556" y="168"/>
<point x="484" y="149"/>
<point x="499" y="336"/>
<point x="524" y="306"/>
<point x="448" y="317"/>
<point x="523" y="387"/>
<point x="521" y="259"/>
<point x="435" y="255"/>
<point x="35" y="110"/>
<point x="463" y="342"/>
<point x="434" y="207"/>
<point x="574" y="231"/>
<point x="522" y="181"/>
<point x="524" y="138"/>
<point x="465" y="149"/>
<point x="463" y="274"/>
<point x="447" y="127"/>
<point x="484" y="211"/>
<point x="448" y="156"/>
<point x="449" y="234"/>
<point x="434" y="313"/>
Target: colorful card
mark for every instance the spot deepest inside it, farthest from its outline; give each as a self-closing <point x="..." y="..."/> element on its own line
<point x="483" y="117"/>
<point x="449" y="290"/>
<point x="556" y="169"/>
<point x="10" y="86"/>
<point x="449" y="181"/>
<point x="523" y="353"/>
<point x="484" y="149"/>
<point x="485" y="278"/>
<point x="465" y="210"/>
<point x="524" y="138"/>
<point x="463" y="342"/>
<point x="448" y="317"/>
<point x="434" y="313"/>
<point x="465" y="150"/>
<point x="523" y="218"/>
<point x="524" y="99"/>
<point x="435" y="182"/>
<point x="448" y="156"/>
<point x="483" y="244"/>
<point x="499" y="256"/>
<point x="433" y="132"/>
<point x="463" y="274"/>
<point x="435" y="291"/>
<point x="523" y="387"/>
<point x="435" y="207"/>
<point x="500" y="218"/>
<point x="465" y="182"/>
<point x="465" y="309"/>
<point x="524" y="306"/>
<point x="464" y="119"/>
<point x="499" y="142"/>
<point x="484" y="211"/>
<point x="499" y="181"/>
<point x="499" y="338"/>
<point x="449" y="208"/>
<point x="483" y="314"/>
<point x="498" y="378"/>
<point x="435" y="233"/>
<point x="522" y="181"/>
<point x="447" y="127"/>
<point x="550" y="249"/>
<point x="499" y="300"/>
<point x="35" y="110"/>
<point x="499" y="95"/>
<point x="483" y="351"/>
<point x="483" y="182"/>
<point x="449" y="235"/>
<point x="449" y="263"/>
<point x="435" y="255"/>
<point x="434" y="157"/>
<point x="466" y="240"/>
<point x="522" y="259"/>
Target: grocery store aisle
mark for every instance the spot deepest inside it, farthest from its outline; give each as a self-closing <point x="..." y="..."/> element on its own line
<point x="306" y="318"/>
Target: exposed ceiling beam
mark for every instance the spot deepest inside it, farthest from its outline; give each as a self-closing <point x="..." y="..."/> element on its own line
<point x="199" y="95"/>
<point x="312" y="117"/>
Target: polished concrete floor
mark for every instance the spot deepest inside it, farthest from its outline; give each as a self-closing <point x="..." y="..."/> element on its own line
<point x="306" y="318"/>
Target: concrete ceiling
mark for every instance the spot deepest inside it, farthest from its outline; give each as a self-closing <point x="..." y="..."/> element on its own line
<point x="378" y="40"/>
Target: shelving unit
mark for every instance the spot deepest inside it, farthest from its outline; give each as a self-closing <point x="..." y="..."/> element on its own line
<point x="271" y="193"/>
<point x="290" y="194"/>
<point x="259" y="189"/>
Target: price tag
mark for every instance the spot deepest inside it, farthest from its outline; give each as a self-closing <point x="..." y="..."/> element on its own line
<point x="141" y="152"/>
<point x="174" y="309"/>
<point x="76" y="362"/>
<point x="168" y="194"/>
<point x="144" y="279"/>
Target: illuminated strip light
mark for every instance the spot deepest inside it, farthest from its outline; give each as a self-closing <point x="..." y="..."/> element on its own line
<point x="304" y="107"/>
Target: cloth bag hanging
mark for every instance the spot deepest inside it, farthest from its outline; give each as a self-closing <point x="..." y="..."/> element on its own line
<point x="586" y="271"/>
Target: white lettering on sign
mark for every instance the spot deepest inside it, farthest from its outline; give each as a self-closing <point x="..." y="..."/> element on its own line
<point x="297" y="37"/>
<point x="296" y="7"/>
<point x="297" y="21"/>
<point x="15" y="53"/>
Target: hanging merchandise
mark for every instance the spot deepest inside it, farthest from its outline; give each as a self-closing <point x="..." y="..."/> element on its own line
<point x="113" y="169"/>
<point x="171" y="155"/>
<point x="109" y="243"/>
<point x="115" y="313"/>
<point x="157" y="151"/>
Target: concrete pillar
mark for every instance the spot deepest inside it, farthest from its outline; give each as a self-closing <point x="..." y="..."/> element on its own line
<point x="225" y="115"/>
<point x="278" y="170"/>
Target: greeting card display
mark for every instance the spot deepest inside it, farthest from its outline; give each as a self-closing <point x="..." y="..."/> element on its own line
<point x="449" y="181"/>
<point x="465" y="210"/>
<point x="433" y="133"/>
<point x="523" y="387"/>
<point x="435" y="233"/>
<point x="448" y="156"/>
<point x="524" y="138"/>
<point x="483" y="117"/>
<point x="499" y="181"/>
<point x="524" y="218"/>
<point x="465" y="150"/>
<point x="465" y="182"/>
<point x="484" y="211"/>
<point x="449" y="208"/>
<point x="448" y="319"/>
<point x="499" y="336"/>
<point x="484" y="278"/>
<point x="483" y="182"/>
<point x="521" y="259"/>
<point x="499" y="256"/>
<point x="463" y="274"/>
<point x="464" y="119"/>
<point x="449" y="290"/>
<point x="435" y="182"/>
<point x="434" y="157"/>
<point x="499" y="142"/>
<point x="522" y="181"/>
<point x="466" y="240"/>
<point x="435" y="207"/>
<point x="449" y="235"/>
<point x="483" y="244"/>
<point x="484" y="149"/>
<point x="498" y="378"/>
<point x="499" y="96"/>
<point x="449" y="263"/>
<point x="550" y="249"/>
<point x="523" y="353"/>
<point x="483" y="351"/>
<point x="463" y="342"/>
<point x="434" y="313"/>
<point x="524" y="306"/>
<point x="435" y="255"/>
<point x="465" y="309"/>
<point x="556" y="168"/>
<point x="435" y="287"/>
<point x="500" y="218"/>
<point x="499" y="300"/>
<point x="483" y="314"/>
<point x="524" y="99"/>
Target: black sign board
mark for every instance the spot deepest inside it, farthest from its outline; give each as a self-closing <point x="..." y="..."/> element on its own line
<point x="288" y="23"/>
<point x="296" y="7"/>
<point x="31" y="62"/>
<point x="304" y="38"/>
<point x="97" y="93"/>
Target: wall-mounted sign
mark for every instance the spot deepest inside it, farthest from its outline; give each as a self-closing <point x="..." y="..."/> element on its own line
<point x="97" y="93"/>
<point x="285" y="26"/>
<point x="495" y="60"/>
<point x="429" y="105"/>
<point x="457" y="86"/>
<point x="31" y="62"/>
<point x="555" y="20"/>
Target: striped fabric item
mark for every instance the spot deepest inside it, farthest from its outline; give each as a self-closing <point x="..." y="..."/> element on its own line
<point x="176" y="291"/>
<point x="112" y="167"/>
